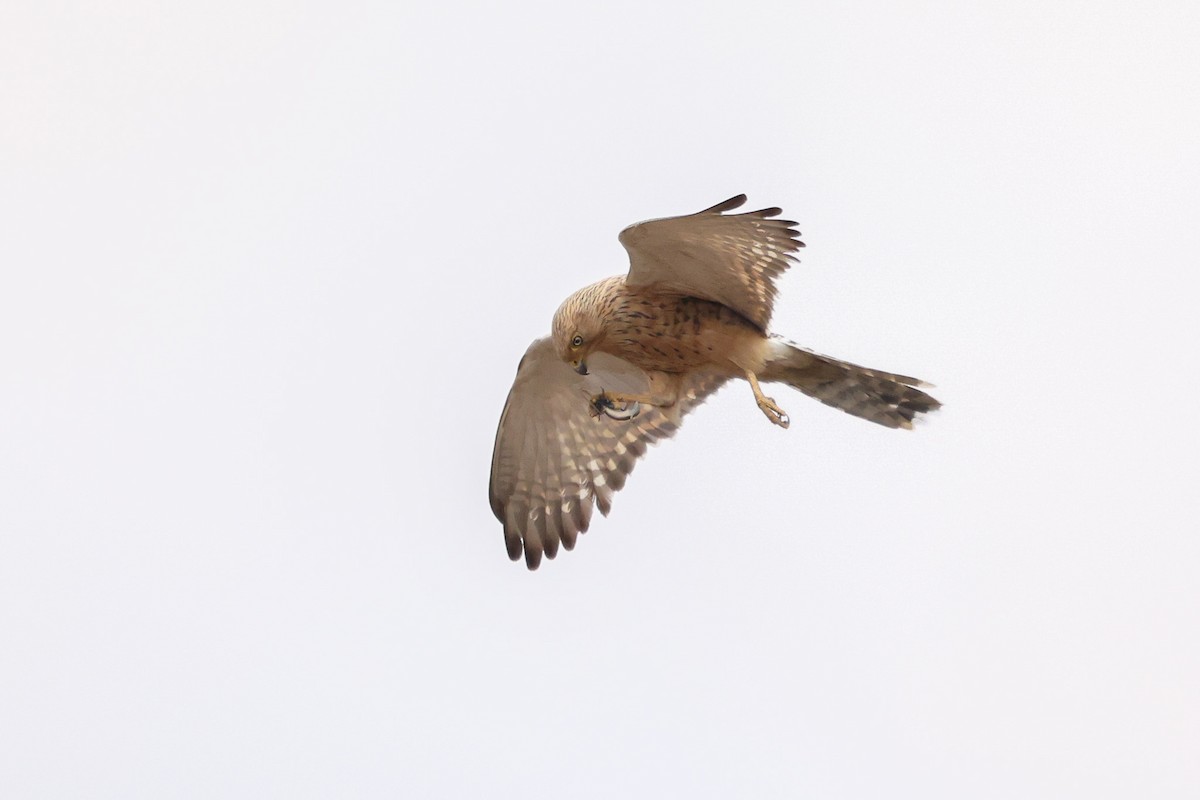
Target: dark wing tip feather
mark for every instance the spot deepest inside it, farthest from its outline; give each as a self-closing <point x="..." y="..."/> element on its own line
<point x="603" y="498"/>
<point x="533" y="552"/>
<point x="512" y="533"/>
<point x="726" y="205"/>
<point x="773" y="211"/>
<point x="550" y="544"/>
<point x="513" y="544"/>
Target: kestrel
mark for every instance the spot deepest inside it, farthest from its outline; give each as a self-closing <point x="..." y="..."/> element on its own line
<point x="628" y="357"/>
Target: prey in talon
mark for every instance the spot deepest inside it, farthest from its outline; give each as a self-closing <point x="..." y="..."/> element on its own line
<point x="604" y="403"/>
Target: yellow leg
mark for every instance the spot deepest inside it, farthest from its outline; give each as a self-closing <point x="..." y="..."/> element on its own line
<point x="767" y="404"/>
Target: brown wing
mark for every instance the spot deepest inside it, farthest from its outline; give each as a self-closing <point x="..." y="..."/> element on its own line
<point x="732" y="259"/>
<point x="554" y="459"/>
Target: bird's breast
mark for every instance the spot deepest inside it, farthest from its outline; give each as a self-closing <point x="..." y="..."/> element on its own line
<point x="669" y="333"/>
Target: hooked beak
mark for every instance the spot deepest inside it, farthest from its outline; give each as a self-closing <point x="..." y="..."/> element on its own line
<point x="580" y="366"/>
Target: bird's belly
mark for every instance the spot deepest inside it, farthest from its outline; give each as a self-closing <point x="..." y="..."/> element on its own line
<point x="686" y="334"/>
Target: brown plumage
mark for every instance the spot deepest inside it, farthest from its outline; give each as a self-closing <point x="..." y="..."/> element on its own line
<point x="630" y="355"/>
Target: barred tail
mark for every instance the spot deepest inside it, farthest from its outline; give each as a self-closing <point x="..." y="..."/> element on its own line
<point x="881" y="397"/>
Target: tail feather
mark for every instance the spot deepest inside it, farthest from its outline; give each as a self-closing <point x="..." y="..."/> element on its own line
<point x="884" y="398"/>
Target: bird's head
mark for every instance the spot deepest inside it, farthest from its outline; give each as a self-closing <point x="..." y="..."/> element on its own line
<point x="577" y="331"/>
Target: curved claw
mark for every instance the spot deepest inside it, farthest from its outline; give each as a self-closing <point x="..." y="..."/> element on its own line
<point x="774" y="413"/>
<point x="627" y="411"/>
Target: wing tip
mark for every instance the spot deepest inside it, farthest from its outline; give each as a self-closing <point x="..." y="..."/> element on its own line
<point x="512" y="544"/>
<point x="533" y="552"/>
<point x="737" y="201"/>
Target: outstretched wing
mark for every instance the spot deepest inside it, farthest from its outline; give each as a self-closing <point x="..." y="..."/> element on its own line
<point x="732" y="259"/>
<point x="554" y="459"/>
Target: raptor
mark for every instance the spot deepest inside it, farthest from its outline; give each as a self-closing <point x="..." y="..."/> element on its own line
<point x="629" y="356"/>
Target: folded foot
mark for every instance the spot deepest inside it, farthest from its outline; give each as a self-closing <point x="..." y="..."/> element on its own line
<point x="767" y="404"/>
<point x="773" y="412"/>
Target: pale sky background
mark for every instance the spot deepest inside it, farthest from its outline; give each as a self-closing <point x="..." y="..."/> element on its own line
<point x="267" y="271"/>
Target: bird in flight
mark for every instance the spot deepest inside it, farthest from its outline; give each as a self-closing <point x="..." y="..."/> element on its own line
<point x="629" y="356"/>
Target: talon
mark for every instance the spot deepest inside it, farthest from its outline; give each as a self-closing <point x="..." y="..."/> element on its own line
<point x="627" y="411"/>
<point x="767" y="404"/>
<point x="774" y="413"/>
<point x="603" y="403"/>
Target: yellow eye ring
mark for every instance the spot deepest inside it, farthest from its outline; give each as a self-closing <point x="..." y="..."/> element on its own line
<point x="577" y="341"/>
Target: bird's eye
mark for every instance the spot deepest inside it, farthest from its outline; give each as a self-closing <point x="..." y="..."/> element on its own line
<point x="577" y="341"/>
